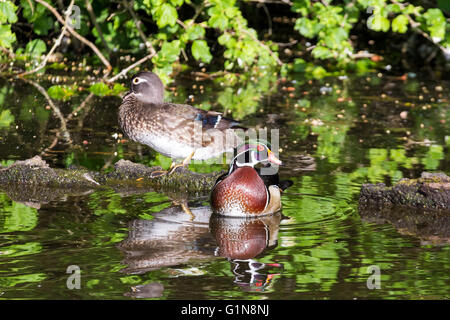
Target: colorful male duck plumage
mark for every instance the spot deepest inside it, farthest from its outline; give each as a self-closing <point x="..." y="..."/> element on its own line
<point x="178" y="131"/>
<point x="246" y="190"/>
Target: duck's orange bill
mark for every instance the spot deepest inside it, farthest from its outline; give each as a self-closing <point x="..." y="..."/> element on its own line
<point x="272" y="158"/>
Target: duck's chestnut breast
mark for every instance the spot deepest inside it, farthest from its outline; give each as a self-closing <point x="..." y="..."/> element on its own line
<point x="242" y="192"/>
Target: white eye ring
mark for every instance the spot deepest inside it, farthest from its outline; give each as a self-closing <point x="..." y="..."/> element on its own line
<point x="138" y="80"/>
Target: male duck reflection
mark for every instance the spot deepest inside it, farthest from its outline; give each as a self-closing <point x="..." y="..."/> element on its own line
<point x="178" y="131"/>
<point x="246" y="190"/>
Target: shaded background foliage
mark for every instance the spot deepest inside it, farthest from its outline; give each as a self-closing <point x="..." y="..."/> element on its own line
<point x="313" y="37"/>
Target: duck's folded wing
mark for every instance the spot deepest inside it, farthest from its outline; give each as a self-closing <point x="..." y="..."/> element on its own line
<point x="208" y="119"/>
<point x="215" y="120"/>
<point x="193" y="125"/>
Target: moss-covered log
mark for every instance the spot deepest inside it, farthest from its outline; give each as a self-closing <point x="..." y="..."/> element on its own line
<point x="430" y="191"/>
<point x="418" y="207"/>
<point x="126" y="175"/>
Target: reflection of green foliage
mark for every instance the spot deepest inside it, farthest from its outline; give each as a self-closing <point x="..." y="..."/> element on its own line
<point x="433" y="156"/>
<point x="109" y="203"/>
<point x="330" y="142"/>
<point x="157" y="203"/>
<point x="242" y="99"/>
<point x="16" y="216"/>
<point x="131" y="280"/>
<point x="106" y="202"/>
<point x="6" y="118"/>
<point x="321" y="264"/>
<point x="11" y="281"/>
<point x="381" y="166"/>
<point x="6" y="163"/>
<point x="18" y="250"/>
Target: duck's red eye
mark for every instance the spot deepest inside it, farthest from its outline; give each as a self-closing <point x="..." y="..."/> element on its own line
<point x="260" y="148"/>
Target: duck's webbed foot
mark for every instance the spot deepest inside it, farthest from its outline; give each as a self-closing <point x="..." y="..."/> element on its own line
<point x="185" y="163"/>
<point x="158" y="173"/>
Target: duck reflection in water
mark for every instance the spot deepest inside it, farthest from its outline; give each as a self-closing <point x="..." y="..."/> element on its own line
<point x="241" y="240"/>
<point x="172" y="239"/>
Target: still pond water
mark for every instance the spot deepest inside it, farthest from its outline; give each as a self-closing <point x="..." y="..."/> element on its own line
<point x="335" y="135"/>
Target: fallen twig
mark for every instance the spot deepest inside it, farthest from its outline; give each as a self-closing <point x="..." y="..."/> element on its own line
<point x="138" y="23"/>
<point x="80" y="107"/>
<point x="97" y="27"/>
<point x="77" y="35"/>
<point x="264" y="46"/>
<point x="63" y="129"/>
<point x="125" y="71"/>
<point x="56" y="45"/>
<point x="415" y="25"/>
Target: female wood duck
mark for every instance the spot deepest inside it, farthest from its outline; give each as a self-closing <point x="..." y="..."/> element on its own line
<point x="178" y="131"/>
<point x="245" y="190"/>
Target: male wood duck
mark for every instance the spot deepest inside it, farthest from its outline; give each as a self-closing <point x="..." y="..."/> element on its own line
<point x="245" y="190"/>
<point x="178" y="131"/>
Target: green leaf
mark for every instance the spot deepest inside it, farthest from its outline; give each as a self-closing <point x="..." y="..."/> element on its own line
<point x="435" y="21"/>
<point x="301" y="6"/>
<point x="6" y="118"/>
<point x="394" y="8"/>
<point x="400" y="24"/>
<point x="319" y="72"/>
<point x="306" y="27"/>
<point x="35" y="48"/>
<point x="321" y="52"/>
<point x="217" y="18"/>
<point x="177" y="3"/>
<point x="8" y="12"/>
<point x="334" y="37"/>
<point x="7" y="38"/>
<point x="100" y="89"/>
<point x="32" y="13"/>
<point x="378" y="22"/>
<point x="200" y="51"/>
<point x="59" y="92"/>
<point x="42" y="25"/>
<point x="195" y="32"/>
<point x="57" y="66"/>
<point x="300" y="65"/>
<point x="118" y="88"/>
<point x="166" y="16"/>
<point x="168" y="53"/>
<point x="227" y="40"/>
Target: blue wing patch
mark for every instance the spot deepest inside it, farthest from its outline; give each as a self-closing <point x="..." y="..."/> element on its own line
<point x="215" y="121"/>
